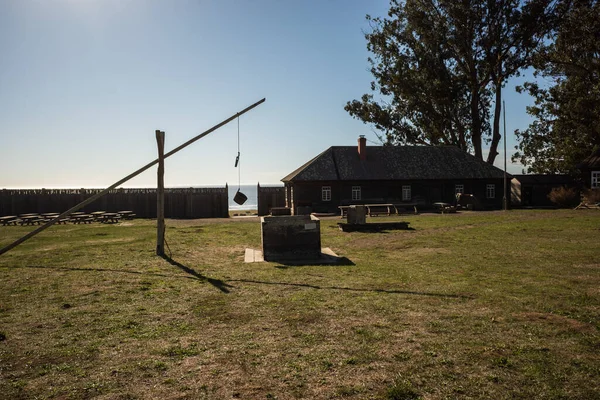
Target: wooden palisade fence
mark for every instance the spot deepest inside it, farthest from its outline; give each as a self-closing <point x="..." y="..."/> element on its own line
<point x="269" y="197"/>
<point x="179" y="202"/>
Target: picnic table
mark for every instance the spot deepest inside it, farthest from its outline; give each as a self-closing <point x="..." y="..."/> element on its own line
<point x="81" y="218"/>
<point x="49" y="216"/>
<point x="381" y="208"/>
<point x="444" y="207"/>
<point x="126" y="214"/>
<point x="31" y="219"/>
<point x="9" y="220"/>
<point x="97" y="215"/>
<point x="110" y="217"/>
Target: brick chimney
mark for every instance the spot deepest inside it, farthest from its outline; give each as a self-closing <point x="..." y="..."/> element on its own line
<point x="362" y="147"/>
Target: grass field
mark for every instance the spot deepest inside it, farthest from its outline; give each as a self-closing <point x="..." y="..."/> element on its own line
<point x="487" y="305"/>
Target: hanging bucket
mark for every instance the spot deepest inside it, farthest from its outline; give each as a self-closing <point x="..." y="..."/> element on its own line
<point x="240" y="198"/>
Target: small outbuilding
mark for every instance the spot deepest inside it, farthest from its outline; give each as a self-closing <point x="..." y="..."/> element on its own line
<point x="533" y="190"/>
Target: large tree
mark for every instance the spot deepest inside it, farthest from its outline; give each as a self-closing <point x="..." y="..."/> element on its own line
<point x="566" y="126"/>
<point x="437" y="63"/>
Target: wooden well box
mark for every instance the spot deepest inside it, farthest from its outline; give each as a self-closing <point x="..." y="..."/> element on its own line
<point x="294" y="237"/>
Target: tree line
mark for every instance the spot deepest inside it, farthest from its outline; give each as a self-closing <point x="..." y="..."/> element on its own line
<point x="440" y="68"/>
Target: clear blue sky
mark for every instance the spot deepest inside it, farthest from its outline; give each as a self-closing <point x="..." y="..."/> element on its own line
<point x="85" y="83"/>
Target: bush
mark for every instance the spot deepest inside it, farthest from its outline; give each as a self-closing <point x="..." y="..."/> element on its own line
<point x="564" y="197"/>
<point x="591" y="196"/>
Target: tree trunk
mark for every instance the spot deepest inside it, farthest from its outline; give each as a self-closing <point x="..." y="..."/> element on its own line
<point x="496" y="133"/>
<point x="475" y="121"/>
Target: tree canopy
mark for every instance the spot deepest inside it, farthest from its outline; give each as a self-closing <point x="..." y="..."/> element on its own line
<point x="439" y="64"/>
<point x="566" y="126"/>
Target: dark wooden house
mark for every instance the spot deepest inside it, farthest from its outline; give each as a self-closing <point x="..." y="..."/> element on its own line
<point x="422" y="175"/>
<point x="533" y="190"/>
<point x="590" y="171"/>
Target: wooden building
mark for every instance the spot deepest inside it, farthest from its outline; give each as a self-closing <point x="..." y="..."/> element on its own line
<point x="533" y="190"/>
<point x="422" y="175"/>
<point x="590" y="171"/>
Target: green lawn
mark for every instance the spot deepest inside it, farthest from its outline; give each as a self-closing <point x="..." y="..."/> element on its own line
<point x="488" y="305"/>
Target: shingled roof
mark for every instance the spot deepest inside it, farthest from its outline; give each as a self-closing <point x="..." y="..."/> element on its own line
<point x="394" y="163"/>
<point x="591" y="162"/>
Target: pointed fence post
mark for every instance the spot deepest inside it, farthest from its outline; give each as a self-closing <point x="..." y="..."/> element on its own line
<point x="160" y="195"/>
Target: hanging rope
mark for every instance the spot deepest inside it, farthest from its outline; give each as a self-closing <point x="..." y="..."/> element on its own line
<point x="240" y="198"/>
<point x="237" y="159"/>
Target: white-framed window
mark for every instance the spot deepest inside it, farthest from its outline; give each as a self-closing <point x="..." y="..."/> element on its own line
<point x="326" y="193"/>
<point x="459" y="189"/>
<point x="490" y="191"/>
<point x="595" y="179"/>
<point x="406" y="195"/>
<point x="356" y="193"/>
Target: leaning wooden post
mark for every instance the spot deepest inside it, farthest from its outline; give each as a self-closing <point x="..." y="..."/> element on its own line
<point x="128" y="177"/>
<point x="160" y="195"/>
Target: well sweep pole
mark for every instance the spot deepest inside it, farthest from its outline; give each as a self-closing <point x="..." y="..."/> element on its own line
<point x="505" y="200"/>
<point x="128" y="177"/>
<point x="160" y="195"/>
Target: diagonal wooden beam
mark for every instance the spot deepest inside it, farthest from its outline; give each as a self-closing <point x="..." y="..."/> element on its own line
<point x="120" y="182"/>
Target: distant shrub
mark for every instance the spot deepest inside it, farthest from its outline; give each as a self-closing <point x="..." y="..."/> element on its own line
<point x="591" y="196"/>
<point x="564" y="197"/>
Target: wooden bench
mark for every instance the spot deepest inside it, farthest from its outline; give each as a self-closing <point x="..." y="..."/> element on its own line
<point x="405" y="206"/>
<point x="379" y="209"/>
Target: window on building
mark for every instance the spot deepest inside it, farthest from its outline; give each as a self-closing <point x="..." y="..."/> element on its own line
<point x="356" y="195"/>
<point x="406" y="195"/>
<point x="595" y="179"/>
<point x="459" y="189"/>
<point x="326" y="193"/>
<point x="490" y="191"/>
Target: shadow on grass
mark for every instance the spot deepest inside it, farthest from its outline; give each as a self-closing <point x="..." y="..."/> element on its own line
<point x="375" y="227"/>
<point x="219" y="284"/>
<point x="390" y="291"/>
<point x="223" y="286"/>
<point x="326" y="260"/>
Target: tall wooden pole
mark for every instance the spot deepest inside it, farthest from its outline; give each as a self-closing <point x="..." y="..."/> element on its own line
<point x="128" y="177"/>
<point x="160" y="195"/>
<point x="505" y="200"/>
